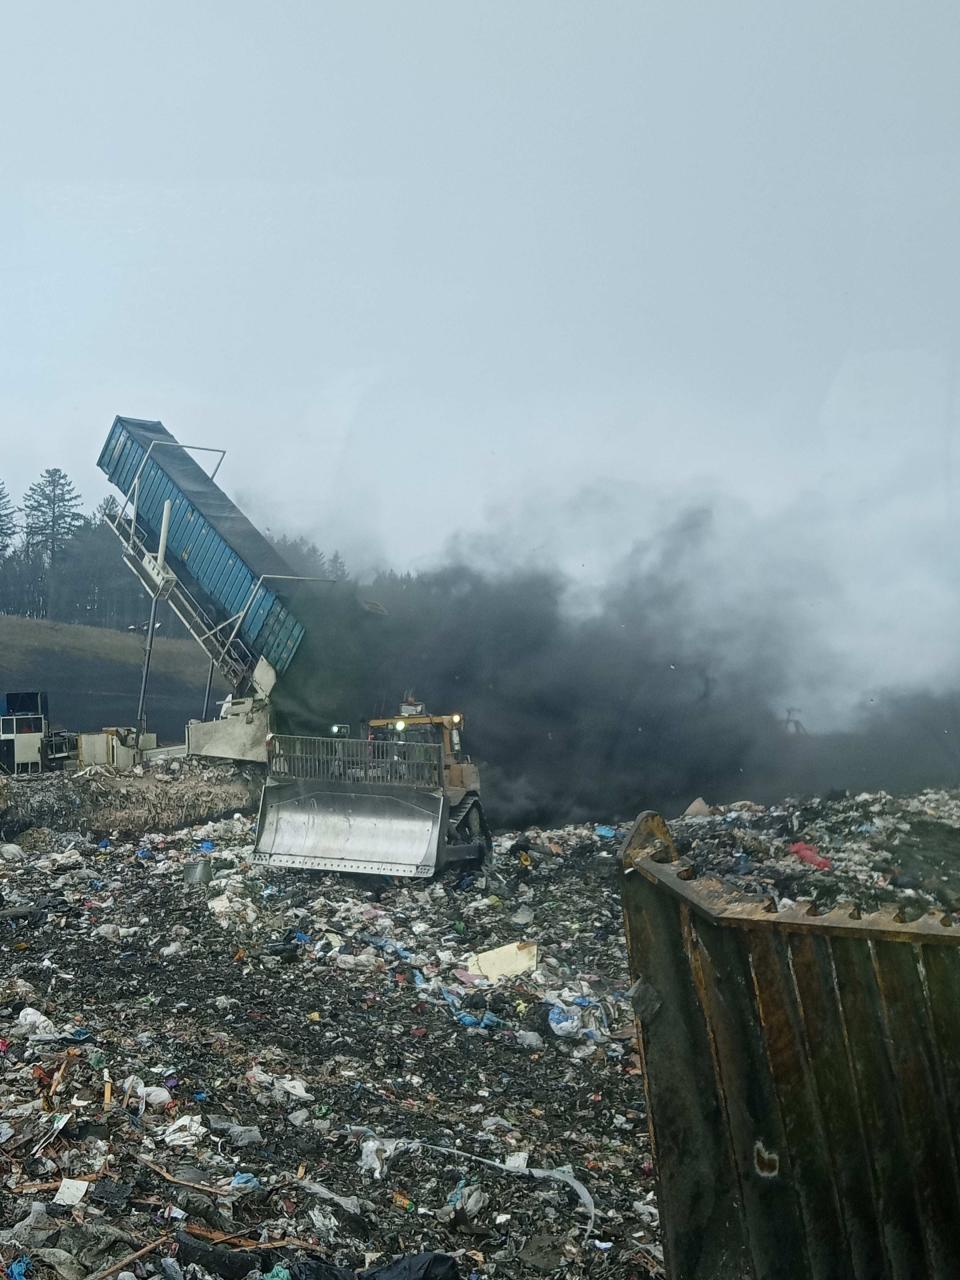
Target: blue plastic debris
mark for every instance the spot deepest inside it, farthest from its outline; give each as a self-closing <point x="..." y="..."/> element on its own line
<point x="456" y="1195"/>
<point x="248" y="1181"/>
<point x="20" y="1268"/>
<point x="385" y="945"/>
<point x="146" y="855"/>
<point x="302" y="938"/>
<point x="562" y="1022"/>
<point x="207" y="846"/>
<point x="487" y="1022"/>
<point x="103" y="844"/>
<point x="606" y="833"/>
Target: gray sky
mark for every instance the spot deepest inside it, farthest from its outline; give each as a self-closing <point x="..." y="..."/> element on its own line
<point x="544" y="268"/>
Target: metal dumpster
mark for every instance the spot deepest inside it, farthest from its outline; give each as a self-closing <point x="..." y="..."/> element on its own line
<point x="802" y="1077"/>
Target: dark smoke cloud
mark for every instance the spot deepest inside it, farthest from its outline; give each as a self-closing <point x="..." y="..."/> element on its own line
<point x="673" y="683"/>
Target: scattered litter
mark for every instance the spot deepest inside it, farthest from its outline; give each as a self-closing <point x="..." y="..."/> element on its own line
<point x="215" y="1057"/>
<point x="809" y="854"/>
<point x="71" y="1191"/>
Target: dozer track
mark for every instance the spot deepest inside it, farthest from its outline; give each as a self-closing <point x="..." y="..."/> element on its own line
<point x="466" y="822"/>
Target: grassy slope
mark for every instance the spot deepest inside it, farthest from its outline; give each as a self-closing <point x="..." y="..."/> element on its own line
<point x="93" y="675"/>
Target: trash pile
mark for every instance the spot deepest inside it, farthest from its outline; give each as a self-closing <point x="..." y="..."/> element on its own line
<point x="212" y="1069"/>
<point x="871" y="850"/>
<point x="101" y="799"/>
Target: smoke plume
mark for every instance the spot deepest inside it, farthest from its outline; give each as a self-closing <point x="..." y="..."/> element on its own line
<point x="672" y="681"/>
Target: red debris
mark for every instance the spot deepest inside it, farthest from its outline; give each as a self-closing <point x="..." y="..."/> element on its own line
<point x="811" y="855"/>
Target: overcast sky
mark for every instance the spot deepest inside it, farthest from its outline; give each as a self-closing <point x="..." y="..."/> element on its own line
<point x="434" y="268"/>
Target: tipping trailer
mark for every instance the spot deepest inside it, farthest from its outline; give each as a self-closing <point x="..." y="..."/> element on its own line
<point x="188" y="544"/>
<point x="403" y="801"/>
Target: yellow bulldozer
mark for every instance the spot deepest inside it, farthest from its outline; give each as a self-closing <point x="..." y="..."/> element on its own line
<point x="403" y="799"/>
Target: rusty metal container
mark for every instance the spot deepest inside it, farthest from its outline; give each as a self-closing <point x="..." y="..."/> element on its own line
<point x="802" y="1076"/>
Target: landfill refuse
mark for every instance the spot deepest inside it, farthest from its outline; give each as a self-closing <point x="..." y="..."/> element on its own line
<point x="104" y="800"/>
<point x="264" y="1073"/>
<point x="871" y="850"/>
<point x="259" y="1073"/>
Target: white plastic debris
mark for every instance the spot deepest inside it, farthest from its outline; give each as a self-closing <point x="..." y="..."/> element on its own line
<point x="530" y="1039"/>
<point x="295" y="1088"/>
<point x="375" y="1154"/>
<point x="156" y="1096"/>
<point x="185" y="1132"/>
<point x="39" y="1024"/>
<point x="71" y="1191"/>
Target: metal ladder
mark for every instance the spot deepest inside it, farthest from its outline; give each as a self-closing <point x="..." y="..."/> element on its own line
<point x="232" y="659"/>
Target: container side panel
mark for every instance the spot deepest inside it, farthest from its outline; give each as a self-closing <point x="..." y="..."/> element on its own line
<point x="782" y="1029"/>
<point x="876" y="1087"/>
<point x="922" y="1103"/>
<point x="704" y="1237"/>
<point x="761" y="1151"/>
<point x="941" y="967"/>
<point x="839" y="1103"/>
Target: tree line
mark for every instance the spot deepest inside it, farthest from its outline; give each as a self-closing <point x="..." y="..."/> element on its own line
<point x="60" y="562"/>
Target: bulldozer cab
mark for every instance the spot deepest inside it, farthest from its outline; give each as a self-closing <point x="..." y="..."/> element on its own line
<point x="414" y="724"/>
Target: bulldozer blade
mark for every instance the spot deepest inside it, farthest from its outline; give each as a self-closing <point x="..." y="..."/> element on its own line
<point x="374" y="829"/>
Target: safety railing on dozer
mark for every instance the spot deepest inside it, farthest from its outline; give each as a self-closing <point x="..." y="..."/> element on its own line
<point x="412" y="764"/>
<point x="802" y="1076"/>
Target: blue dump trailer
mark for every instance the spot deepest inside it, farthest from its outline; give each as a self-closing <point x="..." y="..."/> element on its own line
<point x="222" y="577"/>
